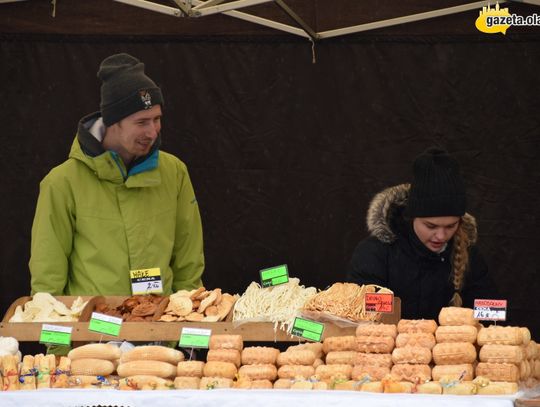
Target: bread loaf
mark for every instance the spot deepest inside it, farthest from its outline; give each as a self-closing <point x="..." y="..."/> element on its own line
<point x="186" y="383"/>
<point x="457" y="316"/>
<point x="454" y="353"/>
<point x="224" y="355"/>
<point x="326" y="372"/>
<point x="374" y="344"/>
<point x="417" y="325"/>
<point x="464" y="371"/>
<point x="501" y="354"/>
<point x="143" y="367"/>
<point x="259" y="355"/>
<point x="258" y="372"/>
<point x="377" y="330"/>
<point x="458" y="333"/>
<point x="411" y="372"/>
<point x="499" y="372"/>
<point x="294" y="371"/>
<point x="226" y="342"/>
<point x="373" y="359"/>
<point x="500" y="335"/>
<point x="190" y="368"/>
<point x="422" y="339"/>
<point x="373" y="372"/>
<point x="298" y="357"/>
<point x="411" y="354"/>
<point x="339" y="343"/>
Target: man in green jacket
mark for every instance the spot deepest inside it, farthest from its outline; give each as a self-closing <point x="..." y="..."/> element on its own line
<point x="118" y="203"/>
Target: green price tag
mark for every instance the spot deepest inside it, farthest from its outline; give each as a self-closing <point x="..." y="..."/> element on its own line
<point x="55" y="334"/>
<point x="307" y="329"/>
<point x="195" y="338"/>
<point x="105" y="324"/>
<point x="274" y="276"/>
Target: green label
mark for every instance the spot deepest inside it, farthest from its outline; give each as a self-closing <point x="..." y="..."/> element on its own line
<point x="308" y="329"/>
<point x="195" y="338"/>
<point x="105" y="324"/>
<point x="274" y="276"/>
<point x="55" y="335"/>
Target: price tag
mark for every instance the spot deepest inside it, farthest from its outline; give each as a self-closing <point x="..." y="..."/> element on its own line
<point x="274" y="276"/>
<point x="105" y="324"/>
<point x="146" y="281"/>
<point x="379" y="302"/>
<point x="307" y="329"/>
<point x="55" y="334"/>
<point x="195" y="338"/>
<point x="490" y="310"/>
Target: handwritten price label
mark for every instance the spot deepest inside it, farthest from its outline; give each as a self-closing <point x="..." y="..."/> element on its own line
<point x="146" y="281"/>
<point x="490" y="310"/>
<point x="379" y="302"/>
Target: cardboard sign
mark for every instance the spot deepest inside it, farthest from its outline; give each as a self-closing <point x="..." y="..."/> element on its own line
<point x="55" y="334"/>
<point x="490" y="310"/>
<point x="379" y="302"/>
<point x="105" y="324"/>
<point x="195" y="338"/>
<point x="307" y="329"/>
<point x="146" y="281"/>
<point x="274" y="276"/>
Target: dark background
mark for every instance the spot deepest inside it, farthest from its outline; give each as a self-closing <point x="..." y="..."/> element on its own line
<point x="285" y="154"/>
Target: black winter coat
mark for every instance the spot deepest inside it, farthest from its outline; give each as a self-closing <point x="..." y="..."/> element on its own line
<point x="395" y="258"/>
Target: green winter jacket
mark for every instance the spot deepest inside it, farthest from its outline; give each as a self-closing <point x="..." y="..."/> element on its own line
<point x="96" y="220"/>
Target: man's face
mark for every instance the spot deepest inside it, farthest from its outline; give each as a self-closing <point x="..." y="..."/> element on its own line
<point x="435" y="232"/>
<point x="135" y="135"/>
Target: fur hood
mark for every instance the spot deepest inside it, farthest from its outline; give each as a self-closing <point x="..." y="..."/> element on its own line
<point x="387" y="204"/>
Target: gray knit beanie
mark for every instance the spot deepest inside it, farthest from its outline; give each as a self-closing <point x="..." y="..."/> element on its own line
<point x="125" y="88"/>
<point x="437" y="188"/>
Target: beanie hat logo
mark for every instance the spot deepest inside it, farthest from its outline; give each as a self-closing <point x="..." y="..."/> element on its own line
<point x="146" y="99"/>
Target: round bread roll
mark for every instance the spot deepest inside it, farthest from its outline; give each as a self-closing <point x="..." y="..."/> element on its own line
<point x="411" y="354"/>
<point x="153" y="352"/>
<point x="215" y="383"/>
<point x="190" y="368"/>
<point x="376" y="330"/>
<point x="345" y="357"/>
<point x="185" y="383"/>
<point x="261" y="384"/>
<point x="454" y="353"/>
<point x="145" y="368"/>
<point x="315" y="347"/>
<point x="332" y="372"/>
<point x="224" y="355"/>
<point x="421" y="339"/>
<point x="92" y="367"/>
<point x="501" y="354"/>
<point x="500" y="372"/>
<point x="220" y="369"/>
<point x="297" y="357"/>
<point x="453" y="371"/>
<point x="374" y="372"/>
<point x="411" y="373"/>
<point x="283" y="383"/>
<point x="500" y="335"/>
<point x="373" y="359"/>
<point x="294" y="371"/>
<point x="254" y="355"/>
<point x="374" y="344"/>
<point x="457" y="316"/>
<point x="226" y="342"/>
<point x="339" y="343"/>
<point x="258" y="372"/>
<point x="458" y="333"/>
<point x="416" y="325"/>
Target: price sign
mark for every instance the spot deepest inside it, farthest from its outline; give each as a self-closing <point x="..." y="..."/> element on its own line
<point x="55" y="334"/>
<point x="274" y="276"/>
<point x="146" y="281"/>
<point x="195" y="338"/>
<point x="307" y="329"/>
<point x="105" y="324"/>
<point x="490" y="310"/>
<point x="379" y="302"/>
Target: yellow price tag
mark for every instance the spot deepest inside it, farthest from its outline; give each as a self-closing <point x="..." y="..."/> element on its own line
<point x="146" y="281"/>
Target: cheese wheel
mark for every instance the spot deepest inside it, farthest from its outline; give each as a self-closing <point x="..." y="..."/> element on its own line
<point x="339" y="343"/>
<point x="226" y="342"/>
<point x="374" y="344"/>
<point x="373" y="359"/>
<point x="95" y="351"/>
<point x="465" y="371"/>
<point x="500" y="335"/>
<point x="429" y="388"/>
<point x="416" y="325"/>
<point x="220" y="369"/>
<point x="253" y="355"/>
<point x="261" y="384"/>
<point x="422" y="339"/>
<point x="294" y="371"/>
<point x="153" y="352"/>
<point x="494" y="388"/>
<point x="331" y="372"/>
<point x="258" y="372"/>
<point x="345" y="357"/>
<point x="419" y="373"/>
<point x="297" y="357"/>
<point x="283" y="383"/>
<point x="457" y="316"/>
<point x="376" y="330"/>
<point x="190" y="368"/>
<point x="207" y="383"/>
<point x="224" y="355"/>
<point x="372" y="387"/>
<point x="454" y="353"/>
<point x="91" y="367"/>
<point x="185" y="383"/>
<point x="144" y="367"/>
<point x="501" y="372"/>
<point x="412" y="354"/>
<point x="458" y="333"/>
<point x="359" y="372"/>
<point x="501" y="354"/>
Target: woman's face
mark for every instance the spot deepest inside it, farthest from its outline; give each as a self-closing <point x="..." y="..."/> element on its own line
<point x="435" y="232"/>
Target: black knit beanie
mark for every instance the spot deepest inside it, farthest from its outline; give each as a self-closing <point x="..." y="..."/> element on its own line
<point x="437" y="188"/>
<point x="125" y="89"/>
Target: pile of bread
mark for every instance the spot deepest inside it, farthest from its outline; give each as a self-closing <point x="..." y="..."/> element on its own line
<point x="455" y="356"/>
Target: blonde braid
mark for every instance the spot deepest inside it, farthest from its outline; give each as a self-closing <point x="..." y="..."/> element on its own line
<point x="460" y="260"/>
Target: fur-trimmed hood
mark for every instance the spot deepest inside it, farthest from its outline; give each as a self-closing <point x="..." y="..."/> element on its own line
<point x="389" y="203"/>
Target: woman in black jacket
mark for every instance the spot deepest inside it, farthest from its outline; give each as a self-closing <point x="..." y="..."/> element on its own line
<point x="422" y="242"/>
